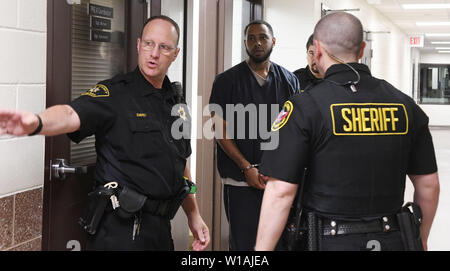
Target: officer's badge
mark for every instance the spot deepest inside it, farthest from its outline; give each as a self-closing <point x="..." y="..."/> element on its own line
<point x="182" y="113"/>
<point x="283" y="117"/>
<point x="98" y="91"/>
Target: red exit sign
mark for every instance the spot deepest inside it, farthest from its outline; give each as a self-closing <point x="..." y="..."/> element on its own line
<point x="416" y="41"/>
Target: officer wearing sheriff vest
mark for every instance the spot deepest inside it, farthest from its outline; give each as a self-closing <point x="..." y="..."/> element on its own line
<point x="358" y="137"/>
<point x="141" y="166"/>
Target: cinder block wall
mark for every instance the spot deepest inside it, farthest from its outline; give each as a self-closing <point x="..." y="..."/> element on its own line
<point x="23" y="42"/>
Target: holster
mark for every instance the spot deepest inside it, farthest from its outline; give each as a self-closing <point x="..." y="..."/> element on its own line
<point x="131" y="202"/>
<point x="314" y="232"/>
<point x="304" y="233"/>
<point x="176" y="203"/>
<point x="95" y="208"/>
<point x="294" y="235"/>
<point x="409" y="222"/>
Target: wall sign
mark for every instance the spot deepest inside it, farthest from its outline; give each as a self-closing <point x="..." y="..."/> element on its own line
<point x="100" y="23"/>
<point x="96" y="10"/>
<point x="416" y="41"/>
<point x="100" y="36"/>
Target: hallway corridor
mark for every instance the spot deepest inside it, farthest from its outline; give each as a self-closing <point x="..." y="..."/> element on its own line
<point x="439" y="239"/>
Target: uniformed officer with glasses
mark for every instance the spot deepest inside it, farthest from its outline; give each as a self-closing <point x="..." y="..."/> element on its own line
<point x="131" y="116"/>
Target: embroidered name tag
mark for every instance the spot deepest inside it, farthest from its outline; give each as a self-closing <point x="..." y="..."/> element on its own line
<point x="369" y="119"/>
<point x="141" y="115"/>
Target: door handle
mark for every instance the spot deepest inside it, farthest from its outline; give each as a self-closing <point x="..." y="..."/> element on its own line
<point x="60" y="169"/>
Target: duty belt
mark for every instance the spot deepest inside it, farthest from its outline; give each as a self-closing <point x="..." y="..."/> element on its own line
<point x="159" y="207"/>
<point x="339" y="227"/>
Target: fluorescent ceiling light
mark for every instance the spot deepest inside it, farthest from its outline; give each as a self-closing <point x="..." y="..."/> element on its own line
<point x="440" y="42"/>
<point x="438" y="35"/>
<point x="425" y="6"/>
<point x="442" y="48"/>
<point x="433" y="23"/>
<point x="444" y="52"/>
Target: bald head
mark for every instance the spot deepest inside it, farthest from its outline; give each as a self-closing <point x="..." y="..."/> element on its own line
<point x="340" y="33"/>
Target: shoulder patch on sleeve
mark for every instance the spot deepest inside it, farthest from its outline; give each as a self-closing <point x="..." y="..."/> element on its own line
<point x="283" y="117"/>
<point x="97" y="91"/>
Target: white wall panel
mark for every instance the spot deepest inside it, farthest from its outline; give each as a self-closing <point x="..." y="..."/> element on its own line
<point x="32" y="15"/>
<point x="22" y="56"/>
<point x="23" y="26"/>
<point x="22" y="164"/>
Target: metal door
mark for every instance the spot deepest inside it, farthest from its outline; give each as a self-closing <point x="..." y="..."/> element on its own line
<point x="88" y="41"/>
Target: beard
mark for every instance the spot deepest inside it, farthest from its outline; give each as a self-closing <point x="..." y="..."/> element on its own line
<point x="260" y="59"/>
<point x="314" y="68"/>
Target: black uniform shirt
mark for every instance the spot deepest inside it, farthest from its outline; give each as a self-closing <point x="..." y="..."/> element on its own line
<point x="238" y="85"/>
<point x="358" y="147"/>
<point x="305" y="77"/>
<point x="132" y="123"/>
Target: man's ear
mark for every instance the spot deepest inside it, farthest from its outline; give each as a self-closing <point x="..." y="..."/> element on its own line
<point x="138" y="44"/>
<point x="177" y="51"/>
<point x="361" y="52"/>
<point x="274" y="41"/>
<point x="317" y="51"/>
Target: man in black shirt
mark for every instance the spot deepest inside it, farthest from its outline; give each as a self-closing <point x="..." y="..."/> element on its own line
<point x="308" y="75"/>
<point x="358" y="137"/>
<point x="260" y="86"/>
<point x="131" y="117"/>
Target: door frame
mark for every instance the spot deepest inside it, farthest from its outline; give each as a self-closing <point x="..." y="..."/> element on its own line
<point x="59" y="70"/>
<point x="215" y="31"/>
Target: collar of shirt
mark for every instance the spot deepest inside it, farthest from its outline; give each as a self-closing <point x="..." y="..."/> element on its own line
<point x="146" y="88"/>
<point x="341" y="69"/>
<point x="271" y="68"/>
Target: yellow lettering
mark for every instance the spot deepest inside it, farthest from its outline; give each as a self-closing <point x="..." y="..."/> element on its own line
<point x="357" y="118"/>
<point x="380" y="114"/>
<point x="386" y="119"/>
<point x="374" y="119"/>
<point x="344" y="111"/>
<point x="365" y="119"/>
<point x="393" y="118"/>
<point x="370" y="119"/>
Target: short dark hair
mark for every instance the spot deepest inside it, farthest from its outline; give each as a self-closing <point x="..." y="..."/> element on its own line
<point x="341" y="32"/>
<point x="310" y="42"/>
<point x="259" y="22"/>
<point x="165" y="18"/>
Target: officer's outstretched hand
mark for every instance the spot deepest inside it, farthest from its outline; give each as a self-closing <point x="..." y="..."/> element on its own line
<point x="17" y="123"/>
<point x="200" y="232"/>
<point x="253" y="179"/>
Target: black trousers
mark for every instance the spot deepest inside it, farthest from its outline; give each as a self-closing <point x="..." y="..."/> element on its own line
<point x="391" y="241"/>
<point x="116" y="234"/>
<point x="242" y="207"/>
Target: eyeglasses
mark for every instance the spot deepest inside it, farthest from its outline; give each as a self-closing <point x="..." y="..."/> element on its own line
<point x="150" y="45"/>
